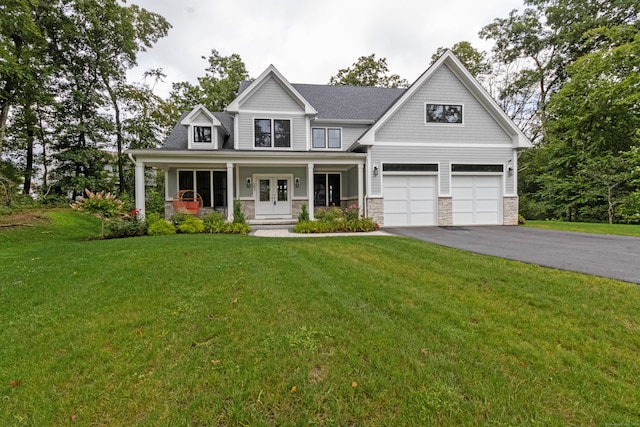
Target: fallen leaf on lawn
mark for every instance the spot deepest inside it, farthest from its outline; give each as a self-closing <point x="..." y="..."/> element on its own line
<point x="216" y="362"/>
<point x="424" y="351"/>
<point x="235" y="301"/>
<point x="73" y="417"/>
<point x="15" y="383"/>
<point x="293" y="389"/>
<point x="354" y="384"/>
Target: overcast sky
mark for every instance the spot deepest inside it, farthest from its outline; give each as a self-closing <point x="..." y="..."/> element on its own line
<point x="308" y="42"/>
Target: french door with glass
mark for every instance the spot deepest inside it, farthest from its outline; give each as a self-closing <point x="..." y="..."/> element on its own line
<point x="273" y="197"/>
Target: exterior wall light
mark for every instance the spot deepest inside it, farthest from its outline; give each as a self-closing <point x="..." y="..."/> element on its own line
<point x="376" y="171"/>
<point x="297" y="181"/>
<point x="249" y="182"/>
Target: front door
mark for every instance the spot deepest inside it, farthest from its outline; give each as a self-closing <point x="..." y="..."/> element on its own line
<point x="273" y="198"/>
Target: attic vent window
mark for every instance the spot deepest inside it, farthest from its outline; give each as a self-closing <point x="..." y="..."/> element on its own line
<point x="202" y="134"/>
<point x="443" y="113"/>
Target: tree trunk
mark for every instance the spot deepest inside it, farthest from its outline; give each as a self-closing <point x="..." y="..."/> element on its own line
<point x="28" y="172"/>
<point x="4" y="114"/>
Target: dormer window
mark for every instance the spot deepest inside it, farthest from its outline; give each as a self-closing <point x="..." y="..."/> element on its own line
<point x="443" y="113"/>
<point x="202" y="134"/>
<point x="274" y="133"/>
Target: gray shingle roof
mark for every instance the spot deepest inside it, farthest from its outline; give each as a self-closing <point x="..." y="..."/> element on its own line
<point x="178" y="138"/>
<point x="349" y="102"/>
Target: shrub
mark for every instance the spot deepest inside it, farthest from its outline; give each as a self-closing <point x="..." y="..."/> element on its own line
<point x="335" y="220"/>
<point x="352" y="213"/>
<point x="178" y="218"/>
<point x="125" y="227"/>
<point x="191" y="225"/>
<point x="213" y="222"/>
<point x="238" y="214"/>
<point x="521" y="220"/>
<point x="304" y="214"/>
<point x="160" y="228"/>
<point x="103" y="205"/>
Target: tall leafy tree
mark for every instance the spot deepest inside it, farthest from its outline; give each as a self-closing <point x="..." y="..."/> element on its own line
<point x="547" y="36"/>
<point x="475" y="61"/>
<point x="97" y="41"/>
<point x="585" y="165"/>
<point x="368" y="71"/>
<point x="216" y="89"/>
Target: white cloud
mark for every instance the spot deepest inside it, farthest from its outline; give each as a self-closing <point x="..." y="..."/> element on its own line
<point x="309" y="42"/>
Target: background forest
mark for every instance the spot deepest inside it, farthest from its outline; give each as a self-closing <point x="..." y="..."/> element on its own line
<point x="566" y="71"/>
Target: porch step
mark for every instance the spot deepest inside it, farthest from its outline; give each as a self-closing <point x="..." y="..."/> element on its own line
<point x="279" y="222"/>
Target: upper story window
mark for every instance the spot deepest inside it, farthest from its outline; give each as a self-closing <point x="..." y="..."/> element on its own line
<point x="443" y="113"/>
<point x="326" y="138"/>
<point x="272" y="133"/>
<point x="202" y="134"/>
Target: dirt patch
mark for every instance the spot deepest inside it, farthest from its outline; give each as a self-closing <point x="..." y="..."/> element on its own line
<point x="23" y="219"/>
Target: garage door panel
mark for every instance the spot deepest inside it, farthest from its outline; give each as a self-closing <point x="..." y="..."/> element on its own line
<point x="409" y="200"/>
<point x="476" y="200"/>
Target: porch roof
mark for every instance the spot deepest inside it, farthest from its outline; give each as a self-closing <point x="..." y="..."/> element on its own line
<point x="163" y="158"/>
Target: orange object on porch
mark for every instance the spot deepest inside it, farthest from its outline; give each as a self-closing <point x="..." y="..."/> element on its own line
<point x="187" y="201"/>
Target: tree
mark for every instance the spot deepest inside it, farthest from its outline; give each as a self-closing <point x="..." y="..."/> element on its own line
<point x="216" y="89"/>
<point x="546" y="37"/>
<point x="584" y="165"/>
<point x="368" y="71"/>
<point x="475" y="61"/>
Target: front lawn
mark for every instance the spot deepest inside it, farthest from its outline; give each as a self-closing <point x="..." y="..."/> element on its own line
<point x="239" y="330"/>
<point x="588" y="227"/>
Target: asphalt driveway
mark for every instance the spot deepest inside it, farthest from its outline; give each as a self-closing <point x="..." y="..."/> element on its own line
<point x="616" y="257"/>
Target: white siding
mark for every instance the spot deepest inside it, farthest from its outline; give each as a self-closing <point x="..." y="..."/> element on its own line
<point x="201" y="117"/>
<point x="442" y="155"/>
<point x="408" y="123"/>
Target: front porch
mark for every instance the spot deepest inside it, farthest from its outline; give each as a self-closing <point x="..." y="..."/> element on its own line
<point x="272" y="187"/>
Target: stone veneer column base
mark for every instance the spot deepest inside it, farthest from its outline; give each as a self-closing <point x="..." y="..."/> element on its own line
<point x="510" y="210"/>
<point x="445" y="211"/>
<point x="375" y="210"/>
<point x="249" y="208"/>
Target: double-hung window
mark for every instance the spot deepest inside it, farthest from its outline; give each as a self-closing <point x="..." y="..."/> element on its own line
<point x="443" y="113"/>
<point x="271" y="133"/>
<point x="326" y="138"/>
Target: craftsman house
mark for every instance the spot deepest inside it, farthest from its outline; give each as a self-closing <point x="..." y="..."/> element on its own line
<point x="438" y="153"/>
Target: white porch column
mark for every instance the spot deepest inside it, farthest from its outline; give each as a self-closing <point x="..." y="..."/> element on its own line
<point x="229" y="191"/>
<point x="140" y="189"/>
<point x="310" y="191"/>
<point x="360" y="190"/>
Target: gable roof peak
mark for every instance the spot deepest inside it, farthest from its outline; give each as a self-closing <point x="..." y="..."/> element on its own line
<point x="270" y="72"/>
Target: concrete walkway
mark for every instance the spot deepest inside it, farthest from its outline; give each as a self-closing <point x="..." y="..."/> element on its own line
<point x="281" y="231"/>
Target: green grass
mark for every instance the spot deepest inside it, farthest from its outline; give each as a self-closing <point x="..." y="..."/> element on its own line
<point x="217" y="329"/>
<point x="588" y="227"/>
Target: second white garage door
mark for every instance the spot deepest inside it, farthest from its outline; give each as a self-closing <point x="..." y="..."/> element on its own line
<point x="476" y="200"/>
<point x="409" y="200"/>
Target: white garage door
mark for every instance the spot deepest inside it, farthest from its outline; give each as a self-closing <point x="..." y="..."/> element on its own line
<point x="476" y="200"/>
<point x="409" y="200"/>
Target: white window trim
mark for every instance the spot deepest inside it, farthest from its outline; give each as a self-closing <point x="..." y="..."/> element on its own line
<point x="272" y="148"/>
<point x="326" y="138"/>
<point x="424" y="115"/>
<point x="203" y="145"/>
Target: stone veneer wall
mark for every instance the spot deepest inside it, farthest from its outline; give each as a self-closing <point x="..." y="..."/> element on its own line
<point x="445" y="211"/>
<point x="296" y="208"/>
<point x="168" y="210"/>
<point x="510" y="210"/>
<point x="375" y="210"/>
<point x="249" y="208"/>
